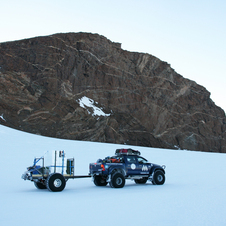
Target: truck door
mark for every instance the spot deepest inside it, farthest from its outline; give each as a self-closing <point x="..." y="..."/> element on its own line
<point x="131" y="165"/>
<point x="143" y="166"/>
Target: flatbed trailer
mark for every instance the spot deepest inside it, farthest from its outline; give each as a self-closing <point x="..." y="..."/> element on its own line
<point x="52" y="176"/>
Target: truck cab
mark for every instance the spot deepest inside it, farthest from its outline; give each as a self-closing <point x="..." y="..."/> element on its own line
<point x="136" y="165"/>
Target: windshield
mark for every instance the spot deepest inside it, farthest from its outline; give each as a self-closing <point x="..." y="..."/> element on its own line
<point x="142" y="160"/>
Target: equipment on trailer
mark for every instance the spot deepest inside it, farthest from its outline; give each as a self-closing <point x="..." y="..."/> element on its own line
<point x="52" y="172"/>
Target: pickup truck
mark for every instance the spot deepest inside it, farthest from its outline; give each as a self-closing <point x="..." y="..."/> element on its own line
<point x="126" y="164"/>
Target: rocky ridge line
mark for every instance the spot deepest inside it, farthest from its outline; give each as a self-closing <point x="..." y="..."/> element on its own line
<point x="145" y="102"/>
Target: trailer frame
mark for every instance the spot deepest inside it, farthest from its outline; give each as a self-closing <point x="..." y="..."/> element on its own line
<point x="55" y="181"/>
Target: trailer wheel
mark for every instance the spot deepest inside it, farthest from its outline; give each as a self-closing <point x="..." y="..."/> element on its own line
<point x="141" y="181"/>
<point x="40" y="185"/>
<point x="55" y="182"/>
<point x="117" y="180"/>
<point x="100" y="181"/>
<point x="158" y="178"/>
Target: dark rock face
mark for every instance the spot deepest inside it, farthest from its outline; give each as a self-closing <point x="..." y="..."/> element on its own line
<point x="44" y="81"/>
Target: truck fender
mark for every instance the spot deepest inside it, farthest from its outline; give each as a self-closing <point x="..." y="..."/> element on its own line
<point x="114" y="169"/>
<point x="153" y="169"/>
<point x="117" y="169"/>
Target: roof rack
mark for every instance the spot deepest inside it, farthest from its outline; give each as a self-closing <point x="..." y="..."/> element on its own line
<point x="128" y="151"/>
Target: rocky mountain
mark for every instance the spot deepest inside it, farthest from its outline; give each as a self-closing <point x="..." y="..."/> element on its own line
<point x="82" y="86"/>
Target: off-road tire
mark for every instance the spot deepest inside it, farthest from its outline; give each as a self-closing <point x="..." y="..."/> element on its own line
<point x="141" y="181"/>
<point x="158" y="178"/>
<point x="39" y="185"/>
<point x="117" y="180"/>
<point x="55" y="182"/>
<point x="100" y="181"/>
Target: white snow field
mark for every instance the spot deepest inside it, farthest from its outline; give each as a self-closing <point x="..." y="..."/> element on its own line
<point x="194" y="192"/>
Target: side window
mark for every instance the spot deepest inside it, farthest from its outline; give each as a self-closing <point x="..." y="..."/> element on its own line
<point x="131" y="159"/>
<point x="142" y="160"/>
<point x="122" y="160"/>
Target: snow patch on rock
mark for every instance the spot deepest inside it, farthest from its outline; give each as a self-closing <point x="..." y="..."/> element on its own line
<point x="1" y="116"/>
<point x="87" y="103"/>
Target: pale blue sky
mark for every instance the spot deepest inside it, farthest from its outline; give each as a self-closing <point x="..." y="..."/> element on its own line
<point x="189" y="35"/>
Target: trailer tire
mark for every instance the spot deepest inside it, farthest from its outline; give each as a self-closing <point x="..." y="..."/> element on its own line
<point x="99" y="181"/>
<point x="55" y="182"/>
<point x="40" y="185"/>
<point x="117" y="180"/>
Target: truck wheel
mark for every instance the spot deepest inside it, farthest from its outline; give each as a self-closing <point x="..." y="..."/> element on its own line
<point x="100" y="181"/>
<point x="141" y="181"/>
<point x="117" y="180"/>
<point x="158" y="178"/>
<point x="55" y="182"/>
<point x="40" y="185"/>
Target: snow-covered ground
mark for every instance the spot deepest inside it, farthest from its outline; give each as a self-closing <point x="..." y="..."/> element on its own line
<point x="194" y="192"/>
